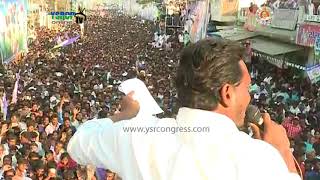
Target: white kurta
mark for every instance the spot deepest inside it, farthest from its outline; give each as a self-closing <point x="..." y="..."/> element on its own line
<point x="223" y="153"/>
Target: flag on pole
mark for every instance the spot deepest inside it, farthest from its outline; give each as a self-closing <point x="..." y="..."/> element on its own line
<point x="67" y="42"/>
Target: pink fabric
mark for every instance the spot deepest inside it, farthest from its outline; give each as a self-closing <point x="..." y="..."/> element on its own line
<point x="292" y="130"/>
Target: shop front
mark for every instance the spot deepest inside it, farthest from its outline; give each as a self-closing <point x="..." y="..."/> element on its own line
<point x="280" y="54"/>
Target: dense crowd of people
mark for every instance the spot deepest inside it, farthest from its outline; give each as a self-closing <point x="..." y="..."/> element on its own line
<point x="294" y="102"/>
<point x="59" y="89"/>
<point x="51" y="92"/>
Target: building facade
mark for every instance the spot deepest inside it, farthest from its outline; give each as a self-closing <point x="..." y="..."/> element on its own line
<point x="284" y="36"/>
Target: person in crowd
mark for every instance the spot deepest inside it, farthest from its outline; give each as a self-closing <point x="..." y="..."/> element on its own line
<point x="292" y="127"/>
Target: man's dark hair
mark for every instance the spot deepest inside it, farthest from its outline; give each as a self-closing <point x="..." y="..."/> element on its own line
<point x="69" y="174"/>
<point x="64" y="155"/>
<point x="51" y="164"/>
<point x="5" y="174"/>
<point x="39" y="164"/>
<point x="55" y="115"/>
<point x="11" y="136"/>
<point x="23" y="161"/>
<point x="8" y="157"/>
<point x="31" y="123"/>
<point x="103" y="114"/>
<point x="49" y="152"/>
<point x="204" y="68"/>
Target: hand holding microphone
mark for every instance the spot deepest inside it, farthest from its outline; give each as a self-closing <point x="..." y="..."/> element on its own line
<point x="269" y="131"/>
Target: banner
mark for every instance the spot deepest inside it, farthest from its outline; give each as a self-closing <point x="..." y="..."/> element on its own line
<point x="307" y="34"/>
<point x="317" y="49"/>
<point x="285" y="18"/>
<point x="224" y="10"/>
<point x="67" y="42"/>
<point x="198" y="29"/>
<point x="314" y="73"/>
<point x="13" y="28"/>
<point x="229" y="7"/>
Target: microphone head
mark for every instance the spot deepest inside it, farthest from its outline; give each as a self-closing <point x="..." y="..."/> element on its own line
<point x="253" y="115"/>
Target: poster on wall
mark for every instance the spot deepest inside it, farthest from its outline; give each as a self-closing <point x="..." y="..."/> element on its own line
<point x="264" y="15"/>
<point x="314" y="73"/>
<point x="224" y="10"/>
<point x="198" y="28"/>
<point x="13" y="28"/>
<point x="307" y="33"/>
<point x="285" y="19"/>
<point x="229" y="7"/>
<point x="317" y="49"/>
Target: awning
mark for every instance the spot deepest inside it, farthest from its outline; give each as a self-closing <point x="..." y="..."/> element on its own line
<point x="236" y="34"/>
<point x="272" y="48"/>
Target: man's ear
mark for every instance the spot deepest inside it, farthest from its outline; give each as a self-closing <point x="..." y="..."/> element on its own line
<point x="226" y="95"/>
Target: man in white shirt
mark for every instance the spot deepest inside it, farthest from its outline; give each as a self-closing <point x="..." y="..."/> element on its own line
<point x="54" y="125"/>
<point x="294" y="109"/>
<point x="213" y="90"/>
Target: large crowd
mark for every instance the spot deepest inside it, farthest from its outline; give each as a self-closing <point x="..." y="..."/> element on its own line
<point x="294" y="102"/>
<point x="51" y="92"/>
<point x="59" y="89"/>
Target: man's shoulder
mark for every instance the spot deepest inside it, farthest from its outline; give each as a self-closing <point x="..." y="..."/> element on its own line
<point x="245" y="144"/>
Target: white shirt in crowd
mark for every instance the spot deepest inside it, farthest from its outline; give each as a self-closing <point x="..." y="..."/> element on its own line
<point x="181" y="38"/>
<point x="307" y="109"/>
<point x="295" y="110"/>
<point x="222" y="153"/>
<point x="156" y="37"/>
<point x="75" y="123"/>
<point x="51" y="128"/>
<point x="267" y="80"/>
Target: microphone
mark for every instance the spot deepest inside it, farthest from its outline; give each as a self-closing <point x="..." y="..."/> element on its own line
<point x="253" y="115"/>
